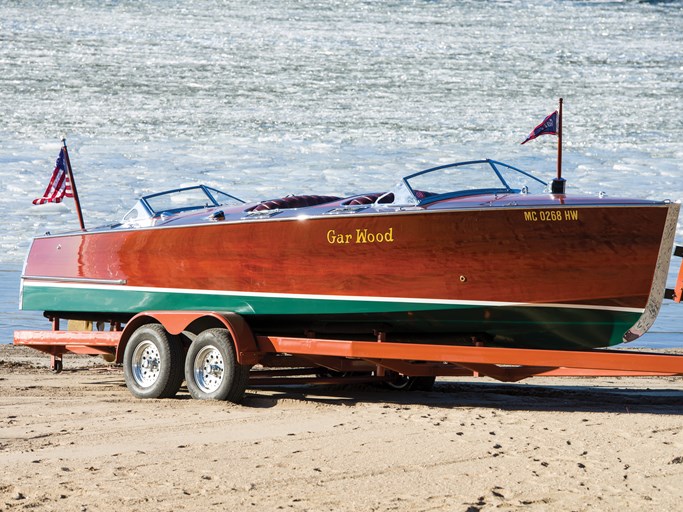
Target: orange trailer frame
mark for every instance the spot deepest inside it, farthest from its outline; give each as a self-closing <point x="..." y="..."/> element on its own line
<point x="503" y="364"/>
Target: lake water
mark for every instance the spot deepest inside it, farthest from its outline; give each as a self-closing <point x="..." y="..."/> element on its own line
<point x="274" y="97"/>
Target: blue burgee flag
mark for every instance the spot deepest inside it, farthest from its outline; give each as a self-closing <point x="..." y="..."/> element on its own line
<point x="547" y="127"/>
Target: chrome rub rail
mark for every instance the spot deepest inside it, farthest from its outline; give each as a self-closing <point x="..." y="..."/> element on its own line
<point x="74" y="280"/>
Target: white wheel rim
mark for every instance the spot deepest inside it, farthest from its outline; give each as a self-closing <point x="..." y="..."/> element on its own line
<point x="209" y="369"/>
<point x="146" y="364"/>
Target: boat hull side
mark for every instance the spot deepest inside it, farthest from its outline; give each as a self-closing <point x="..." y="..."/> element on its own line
<point x="549" y="270"/>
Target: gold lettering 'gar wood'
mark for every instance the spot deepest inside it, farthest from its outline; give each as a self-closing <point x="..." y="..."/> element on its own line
<point x="360" y="236"/>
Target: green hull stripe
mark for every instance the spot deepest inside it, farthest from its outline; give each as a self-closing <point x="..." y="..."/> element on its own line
<point x="127" y="300"/>
<point x="122" y="300"/>
<point x="264" y="300"/>
<point x="559" y="326"/>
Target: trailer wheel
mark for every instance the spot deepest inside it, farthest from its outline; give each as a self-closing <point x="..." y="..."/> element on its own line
<point x="403" y="383"/>
<point x="153" y="363"/>
<point x="211" y="368"/>
<point x="57" y="366"/>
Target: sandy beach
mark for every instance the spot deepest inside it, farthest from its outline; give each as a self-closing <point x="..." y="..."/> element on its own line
<point x="79" y="441"/>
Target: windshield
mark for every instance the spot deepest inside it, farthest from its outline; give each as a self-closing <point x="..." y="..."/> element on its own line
<point x="179" y="200"/>
<point x="152" y="206"/>
<point x="463" y="179"/>
<point x="190" y="198"/>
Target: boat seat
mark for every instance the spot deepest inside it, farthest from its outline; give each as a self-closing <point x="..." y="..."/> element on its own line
<point x="421" y="194"/>
<point x="371" y="198"/>
<point x="368" y="199"/>
<point x="292" y="202"/>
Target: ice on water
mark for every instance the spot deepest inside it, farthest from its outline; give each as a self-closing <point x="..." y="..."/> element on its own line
<point x="269" y="98"/>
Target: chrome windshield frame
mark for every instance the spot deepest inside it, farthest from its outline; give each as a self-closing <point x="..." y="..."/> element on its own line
<point x="212" y="201"/>
<point x="405" y="193"/>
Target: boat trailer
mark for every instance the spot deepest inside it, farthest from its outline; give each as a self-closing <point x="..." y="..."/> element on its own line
<point x="310" y="359"/>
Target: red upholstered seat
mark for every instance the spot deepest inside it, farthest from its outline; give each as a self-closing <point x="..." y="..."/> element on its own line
<point x="421" y="194"/>
<point x="292" y="202"/>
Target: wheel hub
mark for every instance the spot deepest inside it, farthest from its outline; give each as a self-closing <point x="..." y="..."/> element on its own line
<point x="209" y="369"/>
<point x="146" y="364"/>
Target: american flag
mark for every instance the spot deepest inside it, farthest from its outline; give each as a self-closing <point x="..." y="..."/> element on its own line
<point x="59" y="186"/>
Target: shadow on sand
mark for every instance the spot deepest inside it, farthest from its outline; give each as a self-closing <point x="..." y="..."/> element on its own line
<point x="514" y="397"/>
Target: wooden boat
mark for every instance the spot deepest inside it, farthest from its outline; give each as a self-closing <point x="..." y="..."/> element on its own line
<point x="475" y="250"/>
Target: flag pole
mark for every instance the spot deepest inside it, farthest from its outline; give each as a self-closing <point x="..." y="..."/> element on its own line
<point x="73" y="185"/>
<point x="558" y="185"/>
<point x="559" y="143"/>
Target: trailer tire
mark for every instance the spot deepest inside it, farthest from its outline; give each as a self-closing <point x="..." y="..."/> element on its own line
<point x="403" y="383"/>
<point x="57" y="366"/>
<point x="211" y="368"/>
<point x="153" y="363"/>
<point x="423" y="383"/>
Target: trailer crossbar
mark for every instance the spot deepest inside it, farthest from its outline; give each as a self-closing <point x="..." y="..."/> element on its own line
<point x="77" y="342"/>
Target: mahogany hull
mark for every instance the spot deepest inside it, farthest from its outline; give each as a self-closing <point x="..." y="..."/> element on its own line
<point x="552" y="277"/>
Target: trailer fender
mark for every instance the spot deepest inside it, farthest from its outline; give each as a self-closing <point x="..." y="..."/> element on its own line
<point x="176" y="322"/>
